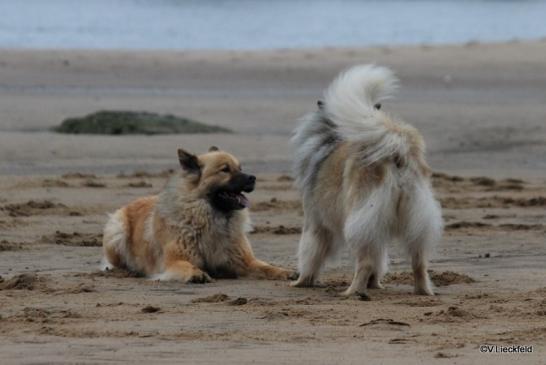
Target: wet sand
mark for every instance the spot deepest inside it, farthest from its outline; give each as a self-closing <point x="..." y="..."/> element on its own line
<point x="480" y="108"/>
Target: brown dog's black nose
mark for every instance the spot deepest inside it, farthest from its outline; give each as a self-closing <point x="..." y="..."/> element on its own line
<point x="250" y="182"/>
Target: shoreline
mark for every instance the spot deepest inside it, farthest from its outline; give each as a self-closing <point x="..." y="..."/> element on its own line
<point x="472" y="42"/>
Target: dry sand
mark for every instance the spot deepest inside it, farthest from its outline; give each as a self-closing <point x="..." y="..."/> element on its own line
<point x="480" y="107"/>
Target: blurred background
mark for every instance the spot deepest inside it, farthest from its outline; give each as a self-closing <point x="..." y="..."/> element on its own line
<point x="472" y="72"/>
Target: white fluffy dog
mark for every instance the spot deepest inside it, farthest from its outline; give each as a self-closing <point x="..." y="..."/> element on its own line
<point x="365" y="183"/>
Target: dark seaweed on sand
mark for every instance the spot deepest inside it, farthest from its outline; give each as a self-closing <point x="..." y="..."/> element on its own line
<point x="129" y="122"/>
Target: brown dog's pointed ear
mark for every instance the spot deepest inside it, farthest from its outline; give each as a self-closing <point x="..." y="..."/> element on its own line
<point x="320" y="104"/>
<point x="188" y="161"/>
<point x="213" y="149"/>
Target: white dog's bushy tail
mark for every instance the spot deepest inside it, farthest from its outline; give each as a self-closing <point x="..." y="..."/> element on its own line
<point x="354" y="92"/>
<point x="350" y="102"/>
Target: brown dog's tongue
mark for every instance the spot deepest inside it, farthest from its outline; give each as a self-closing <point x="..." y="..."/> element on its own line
<point x="243" y="200"/>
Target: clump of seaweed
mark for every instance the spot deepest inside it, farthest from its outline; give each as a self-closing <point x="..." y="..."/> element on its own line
<point x="131" y="122"/>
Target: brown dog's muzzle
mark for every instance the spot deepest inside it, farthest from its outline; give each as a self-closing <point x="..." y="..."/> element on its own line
<point x="250" y="183"/>
<point x="241" y="182"/>
<point x="230" y="196"/>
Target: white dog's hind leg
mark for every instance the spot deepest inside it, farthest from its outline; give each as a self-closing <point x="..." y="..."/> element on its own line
<point x="423" y="229"/>
<point x="419" y="266"/>
<point x="367" y="231"/>
<point x="315" y="246"/>
<point x="375" y="279"/>
<point x="368" y="269"/>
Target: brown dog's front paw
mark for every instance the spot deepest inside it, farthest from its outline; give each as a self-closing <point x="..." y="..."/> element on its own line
<point x="284" y="274"/>
<point x="200" y="277"/>
<point x="293" y="275"/>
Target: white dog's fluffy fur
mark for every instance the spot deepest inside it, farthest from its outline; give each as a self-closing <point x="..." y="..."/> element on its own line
<point x="364" y="182"/>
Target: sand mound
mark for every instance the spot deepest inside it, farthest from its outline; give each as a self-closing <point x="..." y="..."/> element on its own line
<point x="21" y="282"/>
<point x="53" y="183"/>
<point x="444" y="278"/>
<point x="421" y="302"/>
<point x="33" y="207"/>
<point x="41" y="315"/>
<point x="90" y="183"/>
<point x="520" y="227"/>
<point x="285" y="178"/>
<point x="77" y="289"/>
<point x="387" y="321"/>
<point x="150" y="309"/>
<point x="454" y="313"/>
<point x="112" y="273"/>
<point x="491" y="202"/>
<point x="146" y="174"/>
<point x="539" y="201"/>
<point x="464" y="224"/>
<point x="139" y="184"/>
<point x="238" y="301"/>
<point x="279" y="230"/>
<point x="6" y="245"/>
<point x="440" y="176"/>
<point x="74" y="239"/>
<point x="483" y="181"/>
<point x="78" y="175"/>
<point x="215" y="298"/>
<point x="450" y="183"/>
<point x="276" y="204"/>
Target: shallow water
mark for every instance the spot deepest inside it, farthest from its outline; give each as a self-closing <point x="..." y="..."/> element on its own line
<point x="246" y="24"/>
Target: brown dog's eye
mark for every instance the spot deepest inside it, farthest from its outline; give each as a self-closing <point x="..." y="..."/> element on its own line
<point x="225" y="169"/>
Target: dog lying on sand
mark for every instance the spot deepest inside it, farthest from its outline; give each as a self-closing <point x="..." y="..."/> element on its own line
<point x="194" y="230"/>
<point x="364" y="183"/>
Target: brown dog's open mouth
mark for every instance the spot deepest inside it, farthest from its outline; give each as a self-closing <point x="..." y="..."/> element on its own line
<point x="236" y="200"/>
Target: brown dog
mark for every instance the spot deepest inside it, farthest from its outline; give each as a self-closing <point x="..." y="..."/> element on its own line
<point x="194" y="228"/>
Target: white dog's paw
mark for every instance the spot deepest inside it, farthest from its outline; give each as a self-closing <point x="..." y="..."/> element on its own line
<point x="423" y="291"/>
<point x="374" y="283"/>
<point x="361" y="295"/>
<point x="303" y="282"/>
<point x="347" y="292"/>
<point x="423" y="286"/>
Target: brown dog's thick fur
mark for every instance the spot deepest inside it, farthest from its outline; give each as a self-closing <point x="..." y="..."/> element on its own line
<point x="193" y="230"/>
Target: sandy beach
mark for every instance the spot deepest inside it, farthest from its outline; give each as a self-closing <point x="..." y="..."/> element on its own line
<point x="480" y="108"/>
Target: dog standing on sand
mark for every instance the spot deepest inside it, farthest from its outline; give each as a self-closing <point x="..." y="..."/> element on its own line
<point x="365" y="183"/>
<point x="193" y="230"/>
